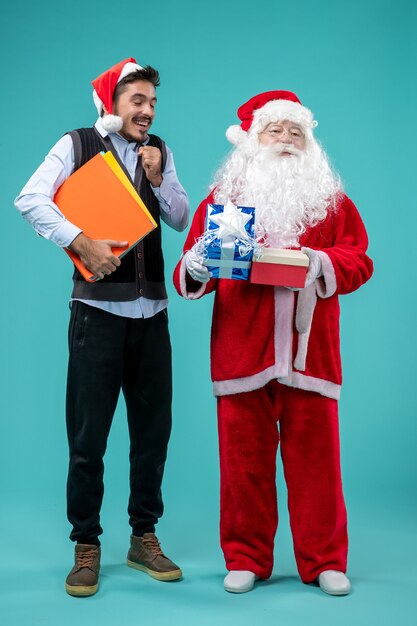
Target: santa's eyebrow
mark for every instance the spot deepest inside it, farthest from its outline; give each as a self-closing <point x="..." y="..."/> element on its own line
<point x="292" y="125"/>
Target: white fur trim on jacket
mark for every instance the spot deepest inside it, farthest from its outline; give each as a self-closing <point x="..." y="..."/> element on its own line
<point x="310" y="383"/>
<point x="326" y="285"/>
<point x="306" y="304"/>
<point x="282" y="370"/>
<point x="189" y="295"/>
<point x="294" y="379"/>
<point x="284" y="312"/>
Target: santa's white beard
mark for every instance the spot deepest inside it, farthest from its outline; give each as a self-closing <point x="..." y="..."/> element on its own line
<point x="289" y="193"/>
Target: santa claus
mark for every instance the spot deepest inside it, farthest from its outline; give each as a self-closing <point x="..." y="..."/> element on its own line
<point x="275" y="357"/>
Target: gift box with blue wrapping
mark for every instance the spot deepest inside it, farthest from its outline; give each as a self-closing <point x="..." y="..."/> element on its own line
<point x="228" y="242"/>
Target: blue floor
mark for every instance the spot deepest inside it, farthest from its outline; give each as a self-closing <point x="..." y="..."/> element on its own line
<point x="382" y="568"/>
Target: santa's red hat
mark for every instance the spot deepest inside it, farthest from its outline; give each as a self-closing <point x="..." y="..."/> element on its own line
<point x="267" y="107"/>
<point x="104" y="87"/>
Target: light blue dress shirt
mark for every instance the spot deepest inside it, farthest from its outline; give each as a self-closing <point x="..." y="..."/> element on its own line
<point x="37" y="207"/>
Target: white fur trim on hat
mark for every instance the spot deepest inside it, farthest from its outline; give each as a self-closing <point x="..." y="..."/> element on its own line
<point x="279" y="110"/>
<point x="129" y="68"/>
<point x="97" y="102"/>
<point x="112" y="123"/>
<point x="236" y="135"/>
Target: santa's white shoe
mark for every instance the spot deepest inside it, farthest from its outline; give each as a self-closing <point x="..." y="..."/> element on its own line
<point x="334" y="583"/>
<point x="239" y="581"/>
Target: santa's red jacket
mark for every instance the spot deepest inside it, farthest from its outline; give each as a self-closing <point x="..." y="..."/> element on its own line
<point x="260" y="333"/>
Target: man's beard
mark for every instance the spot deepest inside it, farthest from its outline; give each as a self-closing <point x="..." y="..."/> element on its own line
<point x="289" y="193"/>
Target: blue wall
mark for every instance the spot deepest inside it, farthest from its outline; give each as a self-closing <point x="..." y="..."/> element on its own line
<point x="353" y="64"/>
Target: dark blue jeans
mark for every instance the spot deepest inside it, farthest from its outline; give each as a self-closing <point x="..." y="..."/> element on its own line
<point x="108" y="353"/>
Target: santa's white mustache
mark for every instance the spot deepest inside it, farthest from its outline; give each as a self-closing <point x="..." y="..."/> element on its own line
<point x="279" y="148"/>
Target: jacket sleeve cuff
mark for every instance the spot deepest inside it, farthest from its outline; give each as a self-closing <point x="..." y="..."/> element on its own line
<point x="185" y="291"/>
<point x="326" y="285"/>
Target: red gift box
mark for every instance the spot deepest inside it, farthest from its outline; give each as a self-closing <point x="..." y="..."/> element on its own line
<point x="280" y="267"/>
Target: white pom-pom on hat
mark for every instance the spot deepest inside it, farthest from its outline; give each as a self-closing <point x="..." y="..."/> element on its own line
<point x="236" y="135"/>
<point x="112" y="123"/>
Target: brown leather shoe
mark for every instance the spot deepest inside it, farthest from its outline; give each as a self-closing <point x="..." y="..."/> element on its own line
<point x="146" y="555"/>
<point x="83" y="578"/>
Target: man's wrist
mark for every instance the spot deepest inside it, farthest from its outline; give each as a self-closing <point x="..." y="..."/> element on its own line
<point x="78" y="243"/>
<point x="157" y="181"/>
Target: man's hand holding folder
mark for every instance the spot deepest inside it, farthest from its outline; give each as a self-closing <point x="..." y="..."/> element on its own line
<point x="101" y="200"/>
<point x="97" y="254"/>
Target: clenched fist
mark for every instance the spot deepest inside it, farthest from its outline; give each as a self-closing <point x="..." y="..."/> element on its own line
<point x="151" y="161"/>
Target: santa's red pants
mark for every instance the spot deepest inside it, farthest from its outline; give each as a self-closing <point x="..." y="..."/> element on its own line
<point x="309" y="435"/>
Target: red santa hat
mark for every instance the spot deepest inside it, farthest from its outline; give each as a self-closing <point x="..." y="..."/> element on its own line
<point x="267" y="107"/>
<point x="104" y="88"/>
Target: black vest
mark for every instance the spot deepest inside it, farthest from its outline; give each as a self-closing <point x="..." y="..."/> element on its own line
<point x="141" y="272"/>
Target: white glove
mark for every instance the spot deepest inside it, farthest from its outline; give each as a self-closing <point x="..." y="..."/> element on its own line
<point x="195" y="267"/>
<point x="314" y="268"/>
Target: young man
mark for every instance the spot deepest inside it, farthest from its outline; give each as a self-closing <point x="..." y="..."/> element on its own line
<point x="118" y="332"/>
<point x="275" y="351"/>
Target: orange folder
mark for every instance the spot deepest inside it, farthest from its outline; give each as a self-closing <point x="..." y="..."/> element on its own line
<point x="100" y="199"/>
